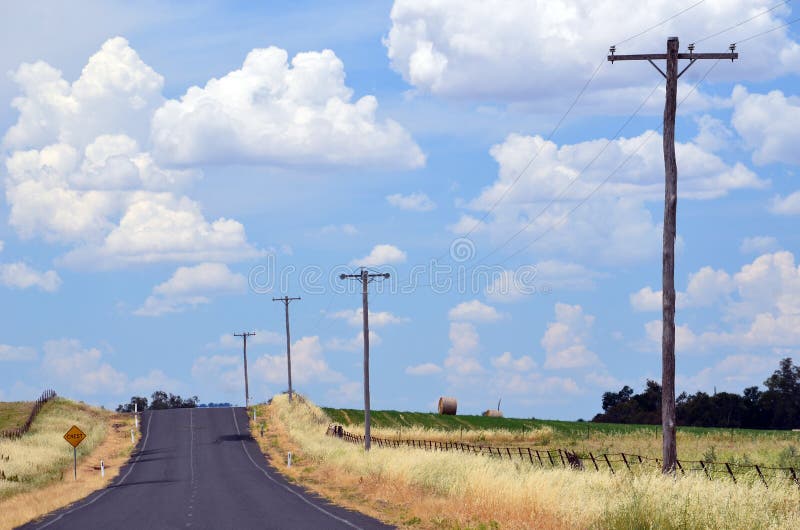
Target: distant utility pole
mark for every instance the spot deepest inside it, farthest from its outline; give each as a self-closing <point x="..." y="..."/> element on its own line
<point x="669" y="448"/>
<point x="365" y="277"/>
<point x="286" y="300"/>
<point x="244" y="336"/>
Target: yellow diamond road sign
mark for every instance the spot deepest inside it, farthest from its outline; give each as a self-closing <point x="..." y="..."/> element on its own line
<point x="75" y="436"/>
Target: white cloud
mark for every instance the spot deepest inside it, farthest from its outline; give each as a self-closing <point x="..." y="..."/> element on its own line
<point x="77" y="173"/>
<point x="506" y="361"/>
<point x="705" y="288"/>
<point x="354" y="317"/>
<point x="417" y="202"/>
<point x="768" y="125"/>
<point x="789" y="205"/>
<point x="758" y="244"/>
<point x="21" y="276"/>
<point x="17" y="353"/>
<point x="274" y="112"/>
<point x="732" y="373"/>
<point x="464" y="346"/>
<point x="308" y="365"/>
<point x="346" y="229"/>
<point x="355" y="344"/>
<point x="381" y="255"/>
<point x="424" y="369"/>
<point x="115" y="87"/>
<point x="67" y="364"/>
<point x="222" y="372"/>
<point x="190" y="287"/>
<point x="479" y="49"/>
<point x="565" y="339"/>
<point x="615" y="226"/>
<point x="474" y="311"/>
<point x="760" y="309"/>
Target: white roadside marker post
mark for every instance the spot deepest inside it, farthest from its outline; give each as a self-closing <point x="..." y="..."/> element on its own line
<point x="102" y="469"/>
<point x="289" y="459"/>
<point x="131" y="435"/>
<point x="136" y="414"/>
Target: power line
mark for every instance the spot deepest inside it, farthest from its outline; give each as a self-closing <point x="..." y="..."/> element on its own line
<point x="679" y="13"/>
<point x="577" y="177"/>
<point x="607" y="178"/>
<point x="776" y="28"/>
<point x="563" y="117"/>
<point x="743" y="22"/>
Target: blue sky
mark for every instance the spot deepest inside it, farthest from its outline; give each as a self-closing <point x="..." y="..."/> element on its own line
<point x="170" y="168"/>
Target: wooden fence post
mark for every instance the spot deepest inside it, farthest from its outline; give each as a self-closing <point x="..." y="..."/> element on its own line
<point x="626" y="461"/>
<point x="727" y="465"/>
<point x="594" y="461"/>
<point x="609" y="464"/>
<point x="762" y="477"/>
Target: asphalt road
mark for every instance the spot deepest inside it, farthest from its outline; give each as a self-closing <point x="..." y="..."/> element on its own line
<point x="200" y="468"/>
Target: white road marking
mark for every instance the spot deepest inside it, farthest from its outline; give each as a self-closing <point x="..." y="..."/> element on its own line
<point x="191" y="444"/>
<point x="106" y="490"/>
<point x="284" y="486"/>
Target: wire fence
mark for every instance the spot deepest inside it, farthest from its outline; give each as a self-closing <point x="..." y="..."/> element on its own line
<point x="607" y="462"/>
<point x="46" y="396"/>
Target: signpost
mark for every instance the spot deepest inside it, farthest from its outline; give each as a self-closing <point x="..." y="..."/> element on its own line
<point x="75" y="436"/>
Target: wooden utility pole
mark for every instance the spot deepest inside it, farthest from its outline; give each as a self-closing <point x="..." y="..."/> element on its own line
<point x="669" y="448"/>
<point x="286" y="301"/>
<point x="244" y="336"/>
<point x="365" y="277"/>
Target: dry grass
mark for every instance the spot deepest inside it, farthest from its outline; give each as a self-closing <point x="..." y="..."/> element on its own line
<point x="455" y="490"/>
<point x="541" y="436"/>
<point x="42" y="460"/>
<point x="14" y="413"/>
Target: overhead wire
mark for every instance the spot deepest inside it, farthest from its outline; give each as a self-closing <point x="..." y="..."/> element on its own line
<point x="608" y="177"/>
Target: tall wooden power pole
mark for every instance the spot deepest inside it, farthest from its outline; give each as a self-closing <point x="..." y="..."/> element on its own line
<point x="286" y="300"/>
<point x="365" y="277"/>
<point x="669" y="448"/>
<point x="244" y="336"/>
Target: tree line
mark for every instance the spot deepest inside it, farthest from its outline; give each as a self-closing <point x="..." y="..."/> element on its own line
<point x="159" y="400"/>
<point x="776" y="407"/>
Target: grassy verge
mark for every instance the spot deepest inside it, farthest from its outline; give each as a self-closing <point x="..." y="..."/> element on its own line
<point x="14" y="413"/>
<point x="744" y="446"/>
<point x="38" y="466"/>
<point x="455" y="490"/>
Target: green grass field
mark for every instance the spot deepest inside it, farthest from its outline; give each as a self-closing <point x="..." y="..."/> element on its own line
<point x="14" y="413"/>
<point x="780" y="448"/>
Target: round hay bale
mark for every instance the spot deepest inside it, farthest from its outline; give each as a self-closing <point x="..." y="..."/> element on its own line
<point x="448" y="405"/>
<point x="492" y="413"/>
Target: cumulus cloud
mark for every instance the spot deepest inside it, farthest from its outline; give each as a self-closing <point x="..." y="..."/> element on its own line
<point x="705" y="288"/>
<point x="68" y="364"/>
<point x="759" y="244"/>
<point x="17" y="353"/>
<point x="768" y="125"/>
<point x="354" y="317"/>
<point x="474" y="311"/>
<point x="548" y="193"/>
<point x="354" y="344"/>
<point x="21" y="276"/>
<point x="789" y="205"/>
<point x="272" y="111"/>
<point x="191" y="286"/>
<point x="565" y="339"/>
<point x="381" y="255"/>
<point x="308" y="365"/>
<point x="417" y="202"/>
<point x="424" y="369"/>
<point x="507" y="361"/>
<point x="760" y="309"/>
<point x="462" y="358"/>
<point x="78" y="174"/>
<point x="479" y="49"/>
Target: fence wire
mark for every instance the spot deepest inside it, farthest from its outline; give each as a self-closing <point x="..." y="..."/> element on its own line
<point x="606" y="462"/>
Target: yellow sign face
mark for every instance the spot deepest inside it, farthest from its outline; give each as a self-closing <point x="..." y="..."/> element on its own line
<point x="74" y="436"/>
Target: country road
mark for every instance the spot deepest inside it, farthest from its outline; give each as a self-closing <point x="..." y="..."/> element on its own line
<point x="201" y="469"/>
